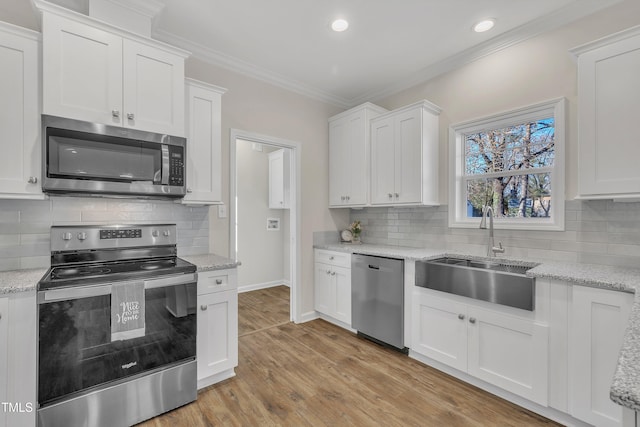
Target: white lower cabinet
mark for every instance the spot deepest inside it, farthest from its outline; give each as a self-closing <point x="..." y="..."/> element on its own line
<point x="501" y="349"/>
<point x="217" y="343"/>
<point x="332" y="284"/>
<point x="597" y="321"/>
<point x="18" y="360"/>
<point x="4" y="354"/>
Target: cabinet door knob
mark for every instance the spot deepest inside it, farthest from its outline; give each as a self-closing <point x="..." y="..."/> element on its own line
<point x="203" y="307"/>
<point x="328" y="271"/>
<point x="218" y="281"/>
<point x="189" y="190"/>
<point x="348" y="198"/>
<point x="115" y="114"/>
<point x="131" y="116"/>
<point x="472" y="320"/>
<point x="397" y="195"/>
<point x="33" y="180"/>
<point x="331" y="258"/>
<point x="333" y="273"/>
<point x="390" y="196"/>
<point x="461" y="316"/>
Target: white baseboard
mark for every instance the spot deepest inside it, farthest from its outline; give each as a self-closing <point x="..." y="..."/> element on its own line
<point x="265" y="285"/>
<point x="213" y="379"/>
<point x="308" y="316"/>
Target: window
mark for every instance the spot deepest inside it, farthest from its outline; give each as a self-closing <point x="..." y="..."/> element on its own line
<point x="513" y="162"/>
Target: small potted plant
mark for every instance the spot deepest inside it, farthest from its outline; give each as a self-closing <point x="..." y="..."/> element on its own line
<point x="356" y="229"/>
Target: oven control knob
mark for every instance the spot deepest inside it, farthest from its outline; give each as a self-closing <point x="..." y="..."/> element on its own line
<point x="67" y="236"/>
<point x="155" y="233"/>
<point x="82" y="236"/>
<point x="166" y="233"/>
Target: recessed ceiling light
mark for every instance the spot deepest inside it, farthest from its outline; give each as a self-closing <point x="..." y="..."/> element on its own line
<point x="339" y="25"/>
<point x="484" y="25"/>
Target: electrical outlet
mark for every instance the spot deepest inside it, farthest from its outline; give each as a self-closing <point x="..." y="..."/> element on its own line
<point x="222" y="211"/>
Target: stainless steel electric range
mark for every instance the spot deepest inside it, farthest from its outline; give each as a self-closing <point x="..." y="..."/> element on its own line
<point x="116" y="326"/>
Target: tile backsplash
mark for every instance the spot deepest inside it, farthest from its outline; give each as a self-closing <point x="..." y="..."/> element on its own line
<point x="596" y="232"/>
<point x="25" y="224"/>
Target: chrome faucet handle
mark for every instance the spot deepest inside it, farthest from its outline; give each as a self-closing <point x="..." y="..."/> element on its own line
<point x="498" y="249"/>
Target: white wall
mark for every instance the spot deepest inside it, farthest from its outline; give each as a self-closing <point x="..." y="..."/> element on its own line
<point x="536" y="70"/>
<point x="257" y="107"/>
<point x="262" y="251"/>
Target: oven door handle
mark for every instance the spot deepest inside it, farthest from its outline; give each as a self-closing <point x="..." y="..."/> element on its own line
<point x="73" y="293"/>
<point x="95" y="291"/>
<point x="163" y="282"/>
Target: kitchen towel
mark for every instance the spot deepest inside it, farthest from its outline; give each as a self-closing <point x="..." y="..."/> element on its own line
<point x="127" y="311"/>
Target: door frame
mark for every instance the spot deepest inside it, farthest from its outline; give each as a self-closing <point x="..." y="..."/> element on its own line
<point x="294" y="210"/>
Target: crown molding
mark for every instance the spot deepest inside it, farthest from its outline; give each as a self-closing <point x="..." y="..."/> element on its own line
<point x="242" y="67"/>
<point x="549" y="22"/>
<point x="563" y="16"/>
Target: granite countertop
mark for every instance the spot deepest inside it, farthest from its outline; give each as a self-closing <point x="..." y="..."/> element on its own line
<point x="20" y="280"/>
<point x="625" y="388"/>
<point x="209" y="262"/>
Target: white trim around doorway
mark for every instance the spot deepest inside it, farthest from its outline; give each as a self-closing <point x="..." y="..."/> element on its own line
<point x="294" y="212"/>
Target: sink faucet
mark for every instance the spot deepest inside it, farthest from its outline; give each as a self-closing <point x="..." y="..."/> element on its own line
<point x="492" y="249"/>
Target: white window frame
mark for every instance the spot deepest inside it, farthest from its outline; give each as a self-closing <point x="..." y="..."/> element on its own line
<point x="457" y="192"/>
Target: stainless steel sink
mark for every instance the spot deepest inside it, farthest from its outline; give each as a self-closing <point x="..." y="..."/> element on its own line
<point x="487" y="280"/>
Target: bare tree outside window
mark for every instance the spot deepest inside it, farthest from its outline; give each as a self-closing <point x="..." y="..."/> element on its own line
<point x="510" y="169"/>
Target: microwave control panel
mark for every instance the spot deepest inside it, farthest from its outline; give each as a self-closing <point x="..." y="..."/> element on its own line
<point x="176" y="166"/>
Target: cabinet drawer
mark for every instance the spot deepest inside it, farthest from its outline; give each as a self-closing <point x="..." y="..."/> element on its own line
<point x="337" y="259"/>
<point x="215" y="281"/>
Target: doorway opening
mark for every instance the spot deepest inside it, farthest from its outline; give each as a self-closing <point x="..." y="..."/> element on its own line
<point x="265" y="223"/>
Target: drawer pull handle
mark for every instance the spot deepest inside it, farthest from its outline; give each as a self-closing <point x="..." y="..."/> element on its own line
<point x="203" y="307"/>
<point x="218" y="281"/>
<point x="331" y="258"/>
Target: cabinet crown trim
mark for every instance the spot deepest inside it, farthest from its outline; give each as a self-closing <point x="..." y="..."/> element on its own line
<point x="424" y="104"/>
<point x="367" y="105"/>
<point x="603" y="41"/>
<point x="45" y="6"/>
<point x="204" y="85"/>
<point x="5" y="27"/>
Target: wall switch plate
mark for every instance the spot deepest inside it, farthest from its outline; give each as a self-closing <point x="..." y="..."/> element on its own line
<point x="222" y="211"/>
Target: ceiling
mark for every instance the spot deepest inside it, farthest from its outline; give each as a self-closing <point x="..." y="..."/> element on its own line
<point x="389" y="45"/>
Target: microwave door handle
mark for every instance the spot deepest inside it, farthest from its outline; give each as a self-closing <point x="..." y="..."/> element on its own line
<point x="165" y="164"/>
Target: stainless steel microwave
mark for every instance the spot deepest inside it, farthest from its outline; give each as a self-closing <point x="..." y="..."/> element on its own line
<point x="97" y="159"/>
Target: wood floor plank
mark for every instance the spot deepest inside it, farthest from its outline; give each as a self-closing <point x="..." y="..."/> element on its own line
<point x="317" y="374"/>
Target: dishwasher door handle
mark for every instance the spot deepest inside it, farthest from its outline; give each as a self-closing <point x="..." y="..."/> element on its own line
<point x="374" y="267"/>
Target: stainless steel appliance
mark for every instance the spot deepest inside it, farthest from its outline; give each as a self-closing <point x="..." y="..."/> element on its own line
<point x="377" y="299"/>
<point x="104" y="279"/>
<point x="96" y="159"/>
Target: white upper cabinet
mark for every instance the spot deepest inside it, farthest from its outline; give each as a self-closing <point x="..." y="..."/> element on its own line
<point x="279" y="179"/>
<point x="204" y="146"/>
<point x="404" y="156"/>
<point x="100" y="74"/>
<point x="349" y="155"/>
<point x="21" y="162"/>
<point x="609" y="102"/>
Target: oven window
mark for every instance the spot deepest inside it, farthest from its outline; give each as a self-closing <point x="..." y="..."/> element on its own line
<point x="76" y="352"/>
<point x="72" y="154"/>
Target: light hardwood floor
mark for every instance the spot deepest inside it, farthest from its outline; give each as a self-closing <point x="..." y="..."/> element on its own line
<point x="317" y="374"/>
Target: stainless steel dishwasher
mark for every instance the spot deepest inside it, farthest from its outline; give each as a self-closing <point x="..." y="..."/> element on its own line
<point x="377" y="299"/>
